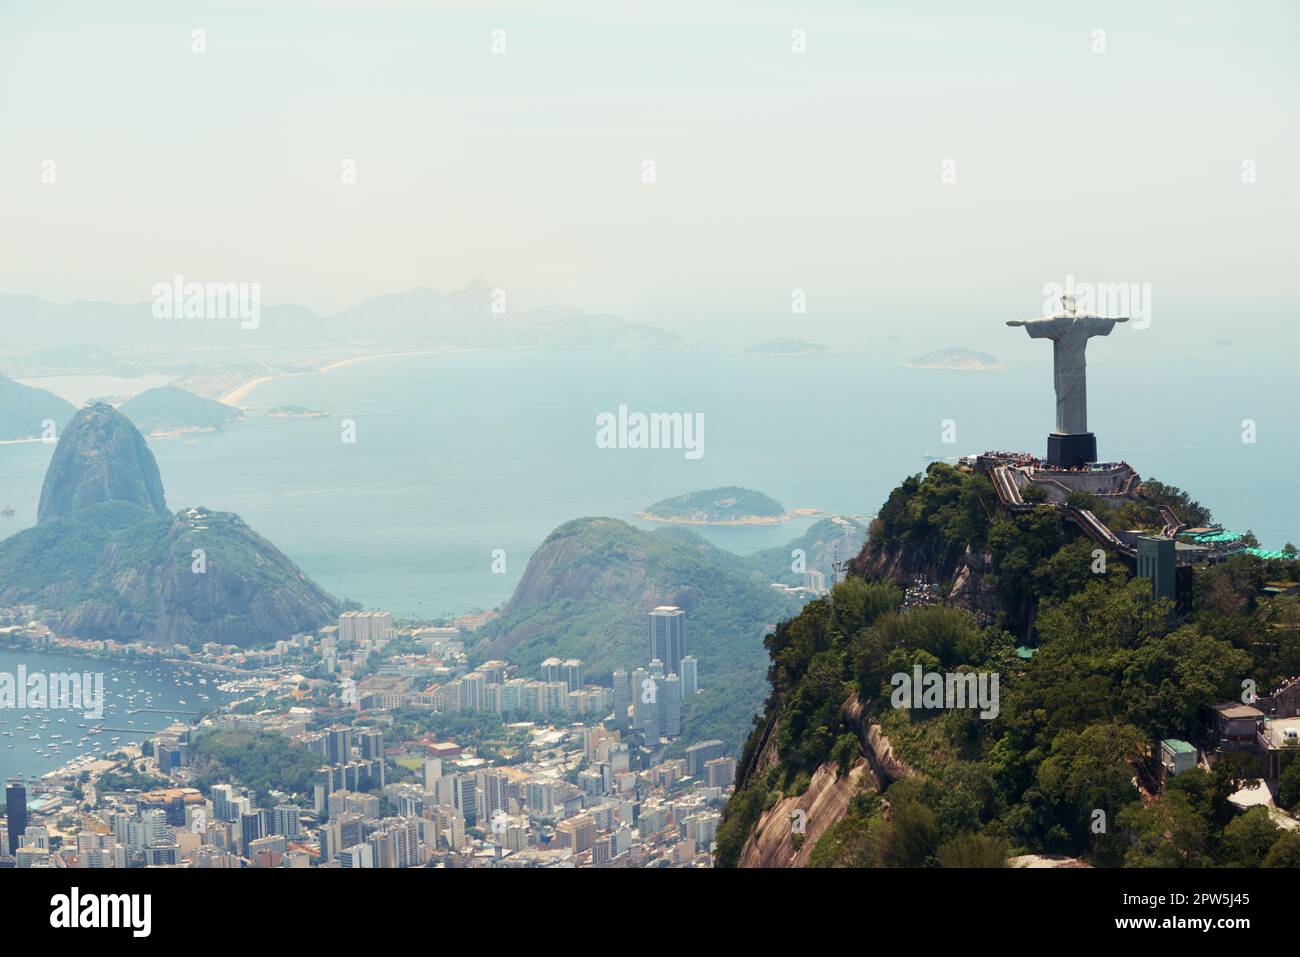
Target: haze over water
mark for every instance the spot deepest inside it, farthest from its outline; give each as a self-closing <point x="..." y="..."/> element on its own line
<point x="462" y="453"/>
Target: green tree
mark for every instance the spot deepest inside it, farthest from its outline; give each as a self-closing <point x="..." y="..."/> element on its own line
<point x="845" y="752"/>
<point x="1166" y="833"/>
<point x="1248" y="838"/>
<point x="738" y="820"/>
<point x="1288" y="785"/>
<point x="857" y="604"/>
<point x="973" y="850"/>
<point x="1083" y="500"/>
<point x="1188" y="509"/>
<point x="1285" y="851"/>
<point x="1090" y="770"/>
<point x="909" y="835"/>
<point x="1169" y="677"/>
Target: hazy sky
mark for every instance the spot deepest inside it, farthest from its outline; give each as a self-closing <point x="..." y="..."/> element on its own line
<point x="775" y="170"/>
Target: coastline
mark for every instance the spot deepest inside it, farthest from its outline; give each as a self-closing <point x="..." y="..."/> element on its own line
<point x="23" y="441"/>
<point x="241" y="392"/>
<point x="234" y="396"/>
<point x="383" y="355"/>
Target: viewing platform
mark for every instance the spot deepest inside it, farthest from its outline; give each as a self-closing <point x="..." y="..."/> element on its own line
<point x="1111" y="482"/>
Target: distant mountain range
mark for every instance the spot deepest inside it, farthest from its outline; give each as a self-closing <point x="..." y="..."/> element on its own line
<point x="416" y="318"/>
<point x="109" y="556"/>
<point x="24" y="410"/>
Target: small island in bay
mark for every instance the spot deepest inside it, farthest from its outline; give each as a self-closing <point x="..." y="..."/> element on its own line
<point x="720" y="506"/>
<point x="789" y="347"/>
<point x="963" y="359"/>
<point x="295" y="412"/>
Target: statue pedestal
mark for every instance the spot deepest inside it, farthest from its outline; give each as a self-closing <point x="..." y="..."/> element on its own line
<point x="1067" y="451"/>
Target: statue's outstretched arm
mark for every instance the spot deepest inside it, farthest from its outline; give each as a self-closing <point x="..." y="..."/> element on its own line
<point x="1038" y="328"/>
<point x="1103" y="326"/>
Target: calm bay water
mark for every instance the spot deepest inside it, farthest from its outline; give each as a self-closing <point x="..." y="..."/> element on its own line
<point x="460" y="454"/>
<point x="163" y="692"/>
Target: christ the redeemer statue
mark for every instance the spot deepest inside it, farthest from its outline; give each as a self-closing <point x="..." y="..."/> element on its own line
<point x="1071" y="443"/>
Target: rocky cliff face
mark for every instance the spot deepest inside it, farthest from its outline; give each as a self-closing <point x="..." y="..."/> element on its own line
<point x="827" y="799"/>
<point x="101" y="457"/>
<point x="963" y="573"/>
<point x="773" y="843"/>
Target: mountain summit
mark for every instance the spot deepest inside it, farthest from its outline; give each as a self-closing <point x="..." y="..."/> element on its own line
<point x="108" y="555"/>
<point x="101" y="457"/>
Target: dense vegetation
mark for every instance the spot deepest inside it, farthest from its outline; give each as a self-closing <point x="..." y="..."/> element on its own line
<point x="825" y="541"/>
<point x="129" y="778"/>
<point x="1145" y="512"/>
<point x="944" y="510"/>
<point x="258" y="760"/>
<point x="119" y="571"/>
<point x="587" y="593"/>
<point x="109" y="556"/>
<point x="1059" y="770"/>
<point x="727" y="504"/>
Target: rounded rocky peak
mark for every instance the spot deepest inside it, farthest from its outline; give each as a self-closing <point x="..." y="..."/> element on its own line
<point x="100" y="457"/>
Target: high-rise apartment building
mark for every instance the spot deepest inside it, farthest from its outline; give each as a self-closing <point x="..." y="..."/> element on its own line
<point x="670" y="707"/>
<point x="690" y="675"/>
<point x="622" y="698"/>
<point x="571" y="673"/>
<point x="668" y="637"/>
<point x="285" y="821"/>
<point x="15" y="813"/>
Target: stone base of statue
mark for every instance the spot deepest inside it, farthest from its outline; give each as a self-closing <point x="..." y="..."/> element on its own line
<point x="1069" y="451"/>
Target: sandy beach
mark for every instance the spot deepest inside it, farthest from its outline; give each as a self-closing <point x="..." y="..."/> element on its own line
<point x="234" y="396"/>
<point x="383" y="355"/>
<point x="237" y="395"/>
